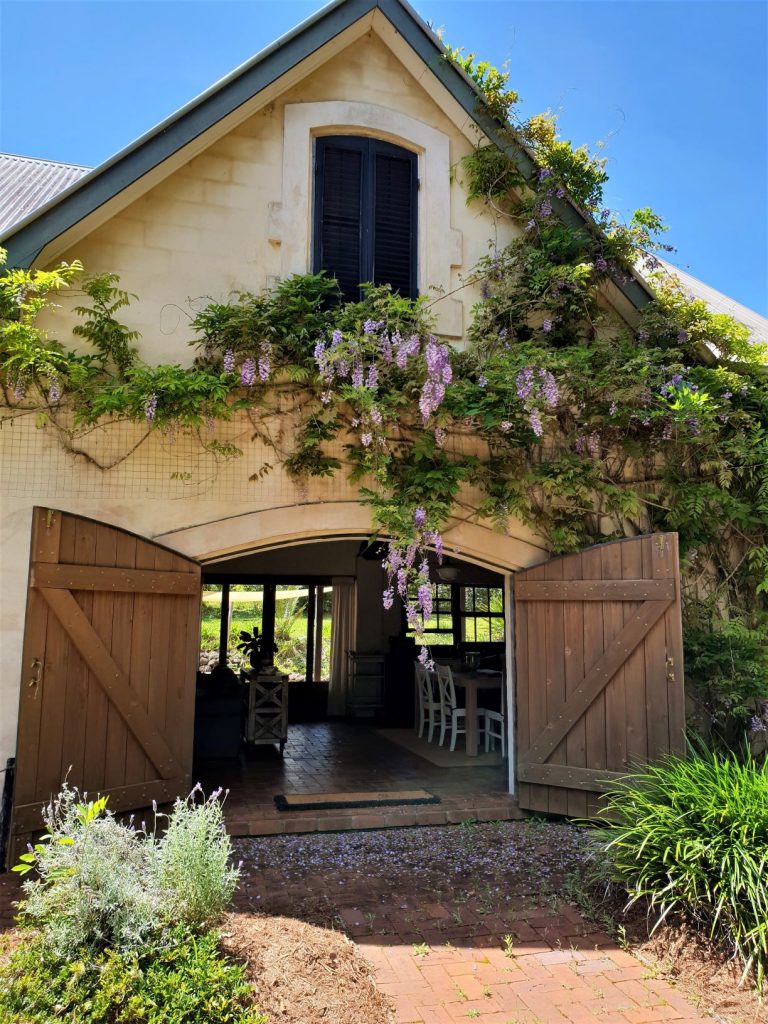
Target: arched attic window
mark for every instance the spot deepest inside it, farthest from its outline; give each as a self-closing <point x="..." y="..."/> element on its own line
<point x="365" y="219"/>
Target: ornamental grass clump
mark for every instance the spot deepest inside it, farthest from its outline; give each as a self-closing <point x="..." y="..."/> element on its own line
<point x="691" y="837"/>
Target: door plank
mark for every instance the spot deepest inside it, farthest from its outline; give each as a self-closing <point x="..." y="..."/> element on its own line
<point x="101" y="664"/>
<point x="597" y="590"/>
<point x="29" y="817"/>
<point x="576" y="741"/>
<point x="615" y="690"/>
<point x="105" y="577"/>
<point x="598" y="780"/>
<point x="596" y="679"/>
<point x="554" y="657"/>
<point x="537" y="685"/>
<point x="594" y="719"/>
<point x="46" y="537"/>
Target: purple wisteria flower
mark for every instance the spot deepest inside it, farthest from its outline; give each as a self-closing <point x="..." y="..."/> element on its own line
<point x="642" y="335"/>
<point x="612" y="409"/>
<point x="440" y="437"/>
<point x="372" y="326"/>
<point x="548" y="387"/>
<point x="150" y="408"/>
<point x="547" y="326"/>
<point x="439" y="373"/>
<point x="336" y="338"/>
<point x="424" y="597"/>
<point x="372" y="380"/>
<point x="482" y="381"/>
<point x="376" y="416"/>
<point x="358" y="375"/>
<point x="505" y="426"/>
<point x="19" y="389"/>
<point x="389" y="598"/>
<point x="601" y="264"/>
<point x="366" y="439"/>
<point x="248" y="373"/>
<point x="419" y="517"/>
<point x="530" y="225"/>
<point x="425" y="660"/>
<point x="229" y="361"/>
<point x="524" y="382"/>
<point x="54" y="391"/>
<point x="264" y="368"/>
<point x="534" y="418"/>
<point x="545" y="208"/>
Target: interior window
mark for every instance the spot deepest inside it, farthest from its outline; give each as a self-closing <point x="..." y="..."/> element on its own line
<point x="482" y="614"/>
<point x="365" y="224"/>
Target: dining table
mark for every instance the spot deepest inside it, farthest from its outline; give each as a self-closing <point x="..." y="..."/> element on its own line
<point x="471" y="682"/>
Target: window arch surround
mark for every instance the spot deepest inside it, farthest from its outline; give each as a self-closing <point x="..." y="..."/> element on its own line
<point x="439" y="245"/>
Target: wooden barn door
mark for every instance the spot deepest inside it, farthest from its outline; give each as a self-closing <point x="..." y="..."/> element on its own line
<point x="108" y="678"/>
<point x="599" y="665"/>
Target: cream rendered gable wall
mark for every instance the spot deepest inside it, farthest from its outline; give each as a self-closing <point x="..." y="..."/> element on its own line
<point x="238" y="216"/>
<point x="228" y="219"/>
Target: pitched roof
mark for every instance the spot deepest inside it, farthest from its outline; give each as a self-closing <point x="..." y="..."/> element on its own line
<point x="27" y="183"/>
<point x="29" y="237"/>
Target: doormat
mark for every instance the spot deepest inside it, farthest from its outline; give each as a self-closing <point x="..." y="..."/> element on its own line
<point x="338" y="801"/>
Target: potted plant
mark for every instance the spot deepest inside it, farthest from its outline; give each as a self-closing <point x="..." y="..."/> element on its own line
<point x="254" y="645"/>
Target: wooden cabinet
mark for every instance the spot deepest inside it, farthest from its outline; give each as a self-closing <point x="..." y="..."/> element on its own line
<point x="266" y="717"/>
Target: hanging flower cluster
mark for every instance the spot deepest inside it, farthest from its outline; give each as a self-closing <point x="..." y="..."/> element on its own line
<point x="251" y="368"/>
<point x="536" y="389"/>
<point x="361" y="360"/>
<point x="407" y="569"/>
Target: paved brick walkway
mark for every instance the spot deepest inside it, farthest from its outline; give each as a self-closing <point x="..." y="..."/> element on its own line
<point x="464" y="946"/>
<point x="559" y="972"/>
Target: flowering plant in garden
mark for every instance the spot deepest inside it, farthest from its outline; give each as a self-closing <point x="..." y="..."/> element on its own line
<point x="581" y="426"/>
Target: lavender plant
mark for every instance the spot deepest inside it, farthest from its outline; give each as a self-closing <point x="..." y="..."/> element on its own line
<point x="104" y="884"/>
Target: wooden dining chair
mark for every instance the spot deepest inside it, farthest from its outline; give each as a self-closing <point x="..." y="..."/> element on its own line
<point x="428" y="701"/>
<point x="450" y="714"/>
<point x="496" y="727"/>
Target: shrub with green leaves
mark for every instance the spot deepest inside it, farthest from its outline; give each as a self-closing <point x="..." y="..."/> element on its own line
<point x="105" y="884"/>
<point x="691" y="837"/>
<point x="182" y="979"/>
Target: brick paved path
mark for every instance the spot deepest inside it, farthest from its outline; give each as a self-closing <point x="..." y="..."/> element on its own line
<point x="557" y="973"/>
<point x="442" y="956"/>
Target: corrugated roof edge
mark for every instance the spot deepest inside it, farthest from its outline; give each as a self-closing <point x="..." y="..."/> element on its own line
<point x="28" y="237"/>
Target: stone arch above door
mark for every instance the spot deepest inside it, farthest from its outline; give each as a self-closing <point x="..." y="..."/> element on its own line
<point x="291" y="524"/>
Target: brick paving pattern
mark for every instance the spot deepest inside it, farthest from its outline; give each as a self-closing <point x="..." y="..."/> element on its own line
<point x="344" y="757"/>
<point x="463" y="947"/>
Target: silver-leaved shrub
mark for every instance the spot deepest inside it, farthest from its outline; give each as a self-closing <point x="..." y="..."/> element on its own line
<point x="102" y="883"/>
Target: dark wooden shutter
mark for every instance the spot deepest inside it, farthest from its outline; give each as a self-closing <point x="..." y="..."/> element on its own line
<point x="339" y="214"/>
<point x="365" y="222"/>
<point x="394" y="246"/>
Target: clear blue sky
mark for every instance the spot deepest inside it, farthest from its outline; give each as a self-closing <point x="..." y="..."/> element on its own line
<point x="677" y="88"/>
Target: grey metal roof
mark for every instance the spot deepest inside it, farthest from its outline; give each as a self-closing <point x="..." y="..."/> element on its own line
<point x="27" y="183"/>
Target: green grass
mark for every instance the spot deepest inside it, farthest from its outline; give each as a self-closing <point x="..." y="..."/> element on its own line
<point x="691" y="836"/>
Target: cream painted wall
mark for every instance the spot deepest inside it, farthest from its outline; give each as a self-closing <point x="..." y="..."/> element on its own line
<point x="214" y="226"/>
<point x="211" y="227"/>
